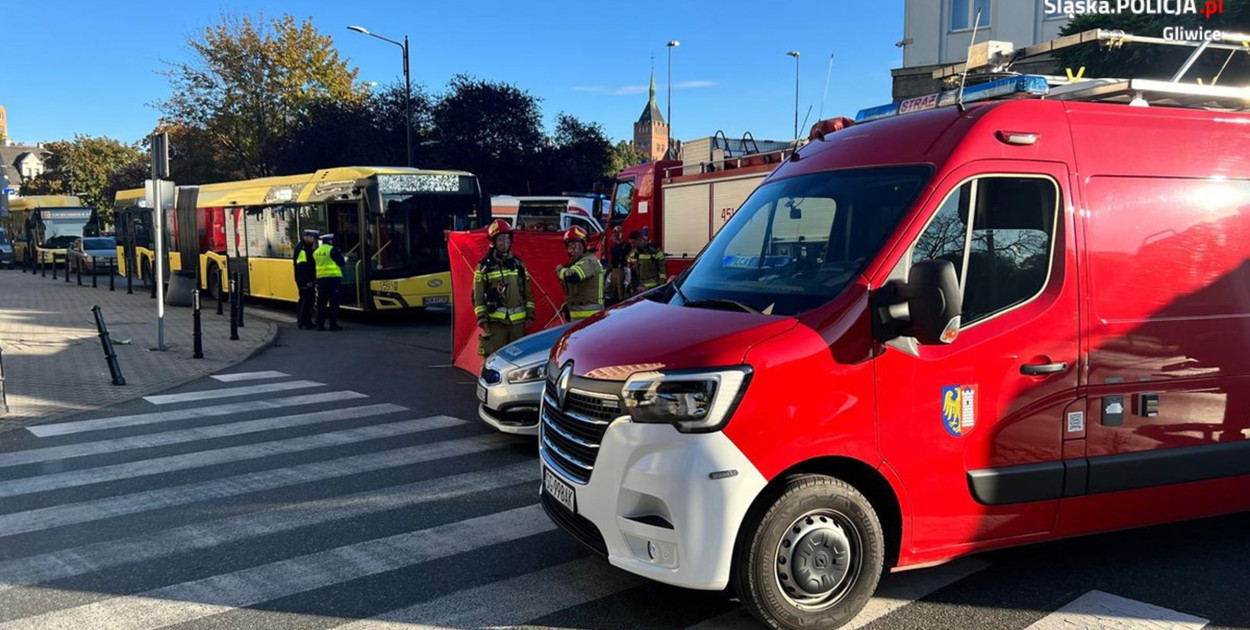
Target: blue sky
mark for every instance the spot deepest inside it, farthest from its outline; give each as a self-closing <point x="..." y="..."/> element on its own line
<point x="94" y="67"/>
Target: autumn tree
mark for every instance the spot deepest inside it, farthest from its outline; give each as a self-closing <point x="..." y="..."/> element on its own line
<point x="250" y="83"/>
<point x="85" y="167"/>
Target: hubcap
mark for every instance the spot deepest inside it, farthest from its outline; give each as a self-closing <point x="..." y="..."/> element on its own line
<point x="818" y="559"/>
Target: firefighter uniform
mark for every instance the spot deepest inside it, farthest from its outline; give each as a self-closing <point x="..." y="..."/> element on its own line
<point x="582" y="280"/>
<point x="648" y="265"/>
<point x="502" y="300"/>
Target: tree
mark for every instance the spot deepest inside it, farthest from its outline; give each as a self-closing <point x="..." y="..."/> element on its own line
<point x="625" y="155"/>
<point x="251" y="83"/>
<point x="334" y="133"/>
<point x="1159" y="62"/>
<point x="87" y="167"/>
<point x="493" y="130"/>
<point x="578" y="157"/>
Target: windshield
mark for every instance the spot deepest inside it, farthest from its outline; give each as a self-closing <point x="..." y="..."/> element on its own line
<point x="622" y="200"/>
<point x="99" y="243"/>
<point x="796" y="243"/>
<point x="59" y="234"/>
<point x="410" y="237"/>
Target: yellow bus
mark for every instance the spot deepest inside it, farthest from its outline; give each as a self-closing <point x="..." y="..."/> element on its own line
<point x="43" y="227"/>
<point x="390" y="223"/>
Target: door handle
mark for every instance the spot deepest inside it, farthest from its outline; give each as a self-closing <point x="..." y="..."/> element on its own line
<point x="1045" y="368"/>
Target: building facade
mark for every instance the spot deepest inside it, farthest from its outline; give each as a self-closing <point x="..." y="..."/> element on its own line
<point x="938" y="32"/>
<point x="651" y="130"/>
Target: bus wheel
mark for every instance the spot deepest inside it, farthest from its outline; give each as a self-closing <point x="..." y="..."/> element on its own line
<point x="214" y="281"/>
<point x="812" y="558"/>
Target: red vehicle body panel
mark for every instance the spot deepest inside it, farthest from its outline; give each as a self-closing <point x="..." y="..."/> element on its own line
<point x="1148" y="293"/>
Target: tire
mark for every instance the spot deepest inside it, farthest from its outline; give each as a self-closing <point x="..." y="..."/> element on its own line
<point x="826" y="522"/>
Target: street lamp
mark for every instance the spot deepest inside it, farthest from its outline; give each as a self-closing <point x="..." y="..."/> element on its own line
<point x="407" y="85"/>
<point x="671" y="45"/>
<point x="795" y="54"/>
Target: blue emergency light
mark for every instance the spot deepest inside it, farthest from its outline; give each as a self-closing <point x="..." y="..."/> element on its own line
<point x="1031" y="84"/>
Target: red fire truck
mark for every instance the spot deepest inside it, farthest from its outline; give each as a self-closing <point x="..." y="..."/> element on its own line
<point x="1016" y="313"/>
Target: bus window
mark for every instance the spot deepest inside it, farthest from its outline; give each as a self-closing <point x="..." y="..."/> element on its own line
<point x="312" y="217"/>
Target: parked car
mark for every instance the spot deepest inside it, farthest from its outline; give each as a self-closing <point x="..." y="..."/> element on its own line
<point x="93" y="252"/>
<point x="511" y="384"/>
<point x="6" y="249"/>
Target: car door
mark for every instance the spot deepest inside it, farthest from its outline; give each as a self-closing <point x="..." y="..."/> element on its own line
<point x="974" y="429"/>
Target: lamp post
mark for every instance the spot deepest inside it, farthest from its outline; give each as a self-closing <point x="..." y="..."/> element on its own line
<point x="671" y="45"/>
<point x="407" y="85"/>
<point x="795" y="54"/>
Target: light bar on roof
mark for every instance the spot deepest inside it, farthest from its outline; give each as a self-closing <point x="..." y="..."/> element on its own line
<point x="1031" y="84"/>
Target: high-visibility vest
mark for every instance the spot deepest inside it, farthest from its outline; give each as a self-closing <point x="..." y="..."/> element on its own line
<point x="326" y="267"/>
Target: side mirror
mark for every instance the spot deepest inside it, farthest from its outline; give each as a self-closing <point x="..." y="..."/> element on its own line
<point x="928" y="306"/>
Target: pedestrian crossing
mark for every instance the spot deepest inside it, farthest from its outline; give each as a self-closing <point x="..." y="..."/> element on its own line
<point x="252" y="507"/>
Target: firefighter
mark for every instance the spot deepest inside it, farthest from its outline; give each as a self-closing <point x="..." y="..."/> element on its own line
<point x="618" y="276"/>
<point x="502" y="300"/>
<point x="582" y="278"/>
<point x="306" y="278"/>
<point x="329" y="263"/>
<point x="647" y="262"/>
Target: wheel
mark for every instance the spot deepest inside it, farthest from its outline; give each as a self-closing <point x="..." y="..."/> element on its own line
<point x="812" y="558"/>
<point x="214" y="281"/>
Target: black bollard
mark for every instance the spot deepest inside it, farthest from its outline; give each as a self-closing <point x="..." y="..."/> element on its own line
<point x="107" y="343"/>
<point x="152" y="278"/>
<point x="43" y="271"/>
<point x="239" y="284"/>
<point x="195" y="325"/>
<point x="130" y="274"/>
<point x="234" y="308"/>
<point x="67" y="269"/>
<point x="54" y="266"/>
<point x="77" y="269"/>
<point x="95" y="271"/>
<point x="112" y="274"/>
<point x="4" y="401"/>
<point x="221" y="297"/>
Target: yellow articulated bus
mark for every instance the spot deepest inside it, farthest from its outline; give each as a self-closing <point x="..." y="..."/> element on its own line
<point x="43" y="227"/>
<point x="389" y="222"/>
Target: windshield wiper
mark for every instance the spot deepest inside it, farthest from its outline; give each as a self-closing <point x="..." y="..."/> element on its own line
<point x="723" y="302"/>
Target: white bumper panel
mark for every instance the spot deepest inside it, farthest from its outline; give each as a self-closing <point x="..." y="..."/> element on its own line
<point x="645" y="471"/>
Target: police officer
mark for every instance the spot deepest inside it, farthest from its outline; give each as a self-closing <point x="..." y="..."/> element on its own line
<point x="502" y="299"/>
<point x="329" y="264"/>
<point x="647" y="262"/>
<point x="582" y="278"/>
<point x="306" y="278"/>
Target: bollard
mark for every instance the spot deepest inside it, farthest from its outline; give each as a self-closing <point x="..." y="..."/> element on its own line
<point x="77" y="269"/>
<point x="43" y="271"/>
<point x="54" y="266"/>
<point x="234" y="308"/>
<point x="95" y="272"/>
<point x="112" y="274"/>
<point x="221" y="296"/>
<point x="152" y="278"/>
<point x="67" y="269"/>
<point x="239" y="284"/>
<point x="107" y="343"/>
<point x="196" y="333"/>
<point x="130" y="274"/>
<point x="4" y="401"/>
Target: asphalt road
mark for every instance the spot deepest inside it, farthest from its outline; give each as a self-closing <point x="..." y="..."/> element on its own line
<point x="342" y="479"/>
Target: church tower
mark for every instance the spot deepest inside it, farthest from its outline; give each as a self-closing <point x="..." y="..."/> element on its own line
<point x="651" y="131"/>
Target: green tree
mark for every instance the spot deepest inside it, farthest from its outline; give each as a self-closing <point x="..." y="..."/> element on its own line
<point x="578" y="157"/>
<point x="250" y="84"/>
<point x="1155" y="61"/>
<point x="625" y="155"/>
<point x="339" y="133"/>
<point x="86" y="167"/>
<point x="493" y="130"/>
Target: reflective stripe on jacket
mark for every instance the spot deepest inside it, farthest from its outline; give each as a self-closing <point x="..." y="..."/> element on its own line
<point x="501" y="290"/>
<point x="649" y="264"/>
<point x="583" y="286"/>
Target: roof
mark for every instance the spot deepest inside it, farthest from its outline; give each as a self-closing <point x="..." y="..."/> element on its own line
<point x="651" y="113"/>
<point x="45" y="201"/>
<point x="305" y="188"/>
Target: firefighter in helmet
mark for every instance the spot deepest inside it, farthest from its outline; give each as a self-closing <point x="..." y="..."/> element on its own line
<point x="502" y="299"/>
<point x="582" y="278"/>
<point x="647" y="262"/>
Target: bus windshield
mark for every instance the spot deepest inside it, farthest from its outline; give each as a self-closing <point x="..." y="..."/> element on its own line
<point x="59" y="234"/>
<point x="796" y="243"/>
<point x="410" y="237"/>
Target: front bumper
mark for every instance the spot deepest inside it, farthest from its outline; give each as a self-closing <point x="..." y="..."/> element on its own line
<point x="511" y="408"/>
<point x="653" y="507"/>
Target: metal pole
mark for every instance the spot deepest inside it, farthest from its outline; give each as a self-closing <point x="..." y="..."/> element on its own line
<point x="407" y="103"/>
<point x="77" y="269"/>
<point x="43" y="271"/>
<point x="66" y="259"/>
<point x="4" y="402"/>
<point x="159" y="275"/>
<point x="234" y="307"/>
<point x="796" y="95"/>
<point x="669" y="105"/>
<point x="195" y="325"/>
<point x="107" y="343"/>
<point x="221" y="295"/>
<point x="95" y="272"/>
<point x="240" y="299"/>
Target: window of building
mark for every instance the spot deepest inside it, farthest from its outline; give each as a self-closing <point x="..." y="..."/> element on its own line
<point x="1003" y="256"/>
<point x="963" y="12"/>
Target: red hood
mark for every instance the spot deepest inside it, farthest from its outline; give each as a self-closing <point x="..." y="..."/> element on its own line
<point x="645" y="335"/>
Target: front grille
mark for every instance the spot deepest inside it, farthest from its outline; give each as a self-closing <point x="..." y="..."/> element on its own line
<point x="582" y="529"/>
<point x="571" y="436"/>
<point x="490" y="376"/>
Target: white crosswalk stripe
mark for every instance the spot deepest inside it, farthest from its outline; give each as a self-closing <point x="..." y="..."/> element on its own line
<point x="188" y="601"/>
<point x="99" y="556"/>
<point x="1097" y="610"/>
<point x="69" y="451"/>
<point x="114" y="506"/>
<point x="230" y="392"/>
<point x="249" y="376"/>
<point x="177" y="415"/>
<point x="142" y="468"/>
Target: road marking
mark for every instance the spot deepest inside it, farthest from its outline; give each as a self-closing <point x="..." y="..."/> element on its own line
<point x="249" y="376"/>
<point x="110" y="507"/>
<point x="188" y="601"/>
<point x="191" y="435"/>
<point x="512" y="601"/>
<point x="234" y="454"/>
<point x="172" y="415"/>
<point x="895" y="591"/>
<point x="230" y="392"/>
<point x="99" y="556"/>
<point x="1097" y="610"/>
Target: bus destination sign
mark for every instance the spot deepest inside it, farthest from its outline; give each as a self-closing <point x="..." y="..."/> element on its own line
<point x="424" y="183"/>
<point x="65" y="214"/>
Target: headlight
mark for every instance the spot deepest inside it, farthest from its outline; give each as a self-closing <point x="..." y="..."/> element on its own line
<point x="693" y="401"/>
<point x="527" y="374"/>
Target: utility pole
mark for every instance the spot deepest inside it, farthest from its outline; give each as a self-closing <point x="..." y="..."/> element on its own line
<point x="160" y="168"/>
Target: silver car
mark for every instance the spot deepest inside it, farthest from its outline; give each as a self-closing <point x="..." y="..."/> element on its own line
<point x="511" y="384"/>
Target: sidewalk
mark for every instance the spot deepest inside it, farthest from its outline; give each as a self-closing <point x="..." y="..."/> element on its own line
<point x="54" y="364"/>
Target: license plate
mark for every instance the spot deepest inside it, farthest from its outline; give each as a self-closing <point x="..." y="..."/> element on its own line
<point x="558" y="490"/>
<point x="481" y="393"/>
<point x="437" y="299"/>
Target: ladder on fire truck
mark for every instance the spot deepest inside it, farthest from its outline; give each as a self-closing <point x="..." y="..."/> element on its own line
<point x="988" y="75"/>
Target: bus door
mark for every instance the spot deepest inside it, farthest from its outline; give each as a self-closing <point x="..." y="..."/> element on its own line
<point x="236" y="246"/>
<point x="345" y="223"/>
